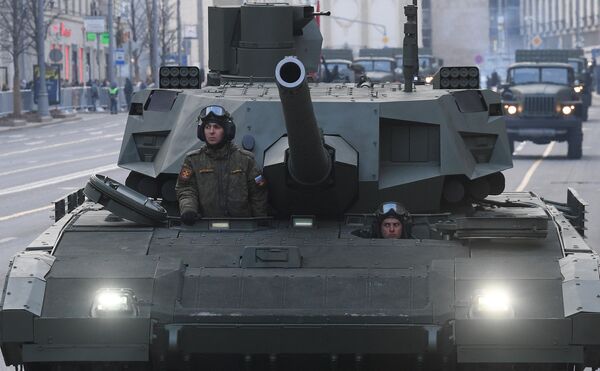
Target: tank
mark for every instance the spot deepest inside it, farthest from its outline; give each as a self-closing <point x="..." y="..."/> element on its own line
<point x="489" y="279"/>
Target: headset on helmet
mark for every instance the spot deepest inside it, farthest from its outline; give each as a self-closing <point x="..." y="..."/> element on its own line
<point x="219" y="115"/>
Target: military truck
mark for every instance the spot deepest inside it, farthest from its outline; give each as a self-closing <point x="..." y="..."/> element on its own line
<point x="541" y="105"/>
<point x="490" y="280"/>
<point x="378" y="69"/>
<point x="338" y="71"/>
<point x="583" y="82"/>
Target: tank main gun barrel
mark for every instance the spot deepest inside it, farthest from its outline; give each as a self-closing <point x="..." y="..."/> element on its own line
<point x="309" y="162"/>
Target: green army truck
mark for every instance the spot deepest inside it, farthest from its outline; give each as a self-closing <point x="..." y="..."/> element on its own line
<point x="541" y="105"/>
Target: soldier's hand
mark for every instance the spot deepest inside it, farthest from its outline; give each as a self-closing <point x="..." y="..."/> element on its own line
<point x="189" y="217"/>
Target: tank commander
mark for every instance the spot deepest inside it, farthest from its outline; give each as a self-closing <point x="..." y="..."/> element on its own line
<point x="392" y="221"/>
<point x="220" y="179"/>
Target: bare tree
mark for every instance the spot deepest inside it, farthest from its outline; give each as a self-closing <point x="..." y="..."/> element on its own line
<point x="139" y="38"/>
<point x="31" y="26"/>
<point x="15" y="41"/>
<point x="167" y="34"/>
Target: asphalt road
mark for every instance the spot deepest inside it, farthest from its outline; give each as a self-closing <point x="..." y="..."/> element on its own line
<point x="41" y="164"/>
<point x="545" y="170"/>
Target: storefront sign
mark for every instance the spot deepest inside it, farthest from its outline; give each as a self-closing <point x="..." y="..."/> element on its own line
<point x="94" y="24"/>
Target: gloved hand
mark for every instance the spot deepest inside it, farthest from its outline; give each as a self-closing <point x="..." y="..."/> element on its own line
<point x="189" y="217"/>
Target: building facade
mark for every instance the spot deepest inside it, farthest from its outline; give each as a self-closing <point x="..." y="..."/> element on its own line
<point x="560" y="23"/>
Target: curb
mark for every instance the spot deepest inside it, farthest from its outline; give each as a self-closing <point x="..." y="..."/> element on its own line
<point x="49" y="122"/>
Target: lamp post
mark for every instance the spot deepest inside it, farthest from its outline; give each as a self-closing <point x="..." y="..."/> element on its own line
<point x="42" y="92"/>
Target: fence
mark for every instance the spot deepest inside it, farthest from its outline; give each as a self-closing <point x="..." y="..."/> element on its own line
<point x="72" y="99"/>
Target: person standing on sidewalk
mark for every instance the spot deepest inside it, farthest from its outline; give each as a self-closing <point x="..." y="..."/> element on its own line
<point x="128" y="90"/>
<point x="113" y="93"/>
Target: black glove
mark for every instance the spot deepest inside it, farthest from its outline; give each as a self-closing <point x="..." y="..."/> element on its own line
<point x="189" y="217"/>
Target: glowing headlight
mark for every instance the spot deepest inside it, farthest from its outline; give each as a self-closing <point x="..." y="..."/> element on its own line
<point x="511" y="109"/>
<point x="428" y="79"/>
<point x="114" y="302"/>
<point x="567" y="110"/>
<point x="491" y="303"/>
<point x="578" y="89"/>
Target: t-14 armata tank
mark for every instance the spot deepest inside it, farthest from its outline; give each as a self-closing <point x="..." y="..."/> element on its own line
<point x="487" y="280"/>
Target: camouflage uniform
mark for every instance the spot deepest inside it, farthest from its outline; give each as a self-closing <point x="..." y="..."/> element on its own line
<point x="221" y="182"/>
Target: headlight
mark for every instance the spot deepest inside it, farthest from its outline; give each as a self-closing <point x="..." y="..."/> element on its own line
<point x="578" y="89"/>
<point x="567" y="110"/>
<point x="114" y="302"/>
<point x="511" y="109"/>
<point x="428" y="79"/>
<point x="491" y="303"/>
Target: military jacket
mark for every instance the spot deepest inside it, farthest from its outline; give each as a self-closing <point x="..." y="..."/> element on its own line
<point x="221" y="182"/>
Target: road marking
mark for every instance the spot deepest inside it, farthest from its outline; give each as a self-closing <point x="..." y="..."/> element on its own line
<point x="520" y="147"/>
<point x="96" y="132"/>
<point x="23" y="213"/>
<point x="57" y="163"/>
<point x="534" y="167"/>
<point x="58" y="179"/>
<point x="7" y="239"/>
<point x="60" y="144"/>
<point x="34" y="143"/>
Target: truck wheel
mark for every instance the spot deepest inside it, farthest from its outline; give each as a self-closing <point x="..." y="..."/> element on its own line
<point x="575" y="141"/>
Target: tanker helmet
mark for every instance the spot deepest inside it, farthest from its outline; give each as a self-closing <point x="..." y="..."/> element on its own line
<point x="219" y="115"/>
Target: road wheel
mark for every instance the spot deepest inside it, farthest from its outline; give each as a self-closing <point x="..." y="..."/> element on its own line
<point x="575" y="142"/>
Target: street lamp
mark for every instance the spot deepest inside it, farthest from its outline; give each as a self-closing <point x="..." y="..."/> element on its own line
<point x="42" y="91"/>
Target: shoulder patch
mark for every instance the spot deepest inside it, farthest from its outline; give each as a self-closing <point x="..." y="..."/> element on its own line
<point x="185" y="173"/>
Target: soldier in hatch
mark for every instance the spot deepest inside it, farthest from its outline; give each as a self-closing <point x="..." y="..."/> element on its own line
<point x="392" y="220"/>
<point x="220" y="179"/>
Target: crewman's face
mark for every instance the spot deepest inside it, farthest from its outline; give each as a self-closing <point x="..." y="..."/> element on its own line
<point x="391" y="228"/>
<point x="214" y="133"/>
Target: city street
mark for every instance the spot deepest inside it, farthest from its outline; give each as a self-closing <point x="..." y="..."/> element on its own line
<point x="41" y="164"/>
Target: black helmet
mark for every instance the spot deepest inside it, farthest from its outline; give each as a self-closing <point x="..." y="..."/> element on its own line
<point x="219" y="115"/>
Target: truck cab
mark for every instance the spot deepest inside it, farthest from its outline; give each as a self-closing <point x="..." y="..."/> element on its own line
<point x="541" y="105"/>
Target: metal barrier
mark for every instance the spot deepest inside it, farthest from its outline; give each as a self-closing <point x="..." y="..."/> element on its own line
<point x="72" y="99"/>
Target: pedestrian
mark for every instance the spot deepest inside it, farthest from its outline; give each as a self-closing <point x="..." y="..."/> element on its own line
<point x="113" y="93"/>
<point x="128" y="90"/>
<point x="220" y="179"/>
<point x="94" y="93"/>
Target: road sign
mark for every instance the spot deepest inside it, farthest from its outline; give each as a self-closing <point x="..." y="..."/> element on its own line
<point x="94" y="24"/>
<point x="104" y="38"/>
<point x="90" y="36"/>
<point x="56" y="55"/>
<point x="119" y="57"/>
<point x="190" y="31"/>
<point x="537" y="41"/>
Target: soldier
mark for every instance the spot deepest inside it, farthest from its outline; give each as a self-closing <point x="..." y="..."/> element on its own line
<point x="392" y="220"/>
<point x="220" y="179"/>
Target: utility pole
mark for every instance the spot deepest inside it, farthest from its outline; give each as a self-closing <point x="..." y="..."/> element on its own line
<point x="42" y="93"/>
<point x="578" y="43"/>
<point x="200" y="34"/>
<point x="111" y="45"/>
<point x="154" y="40"/>
<point x="179" y="59"/>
